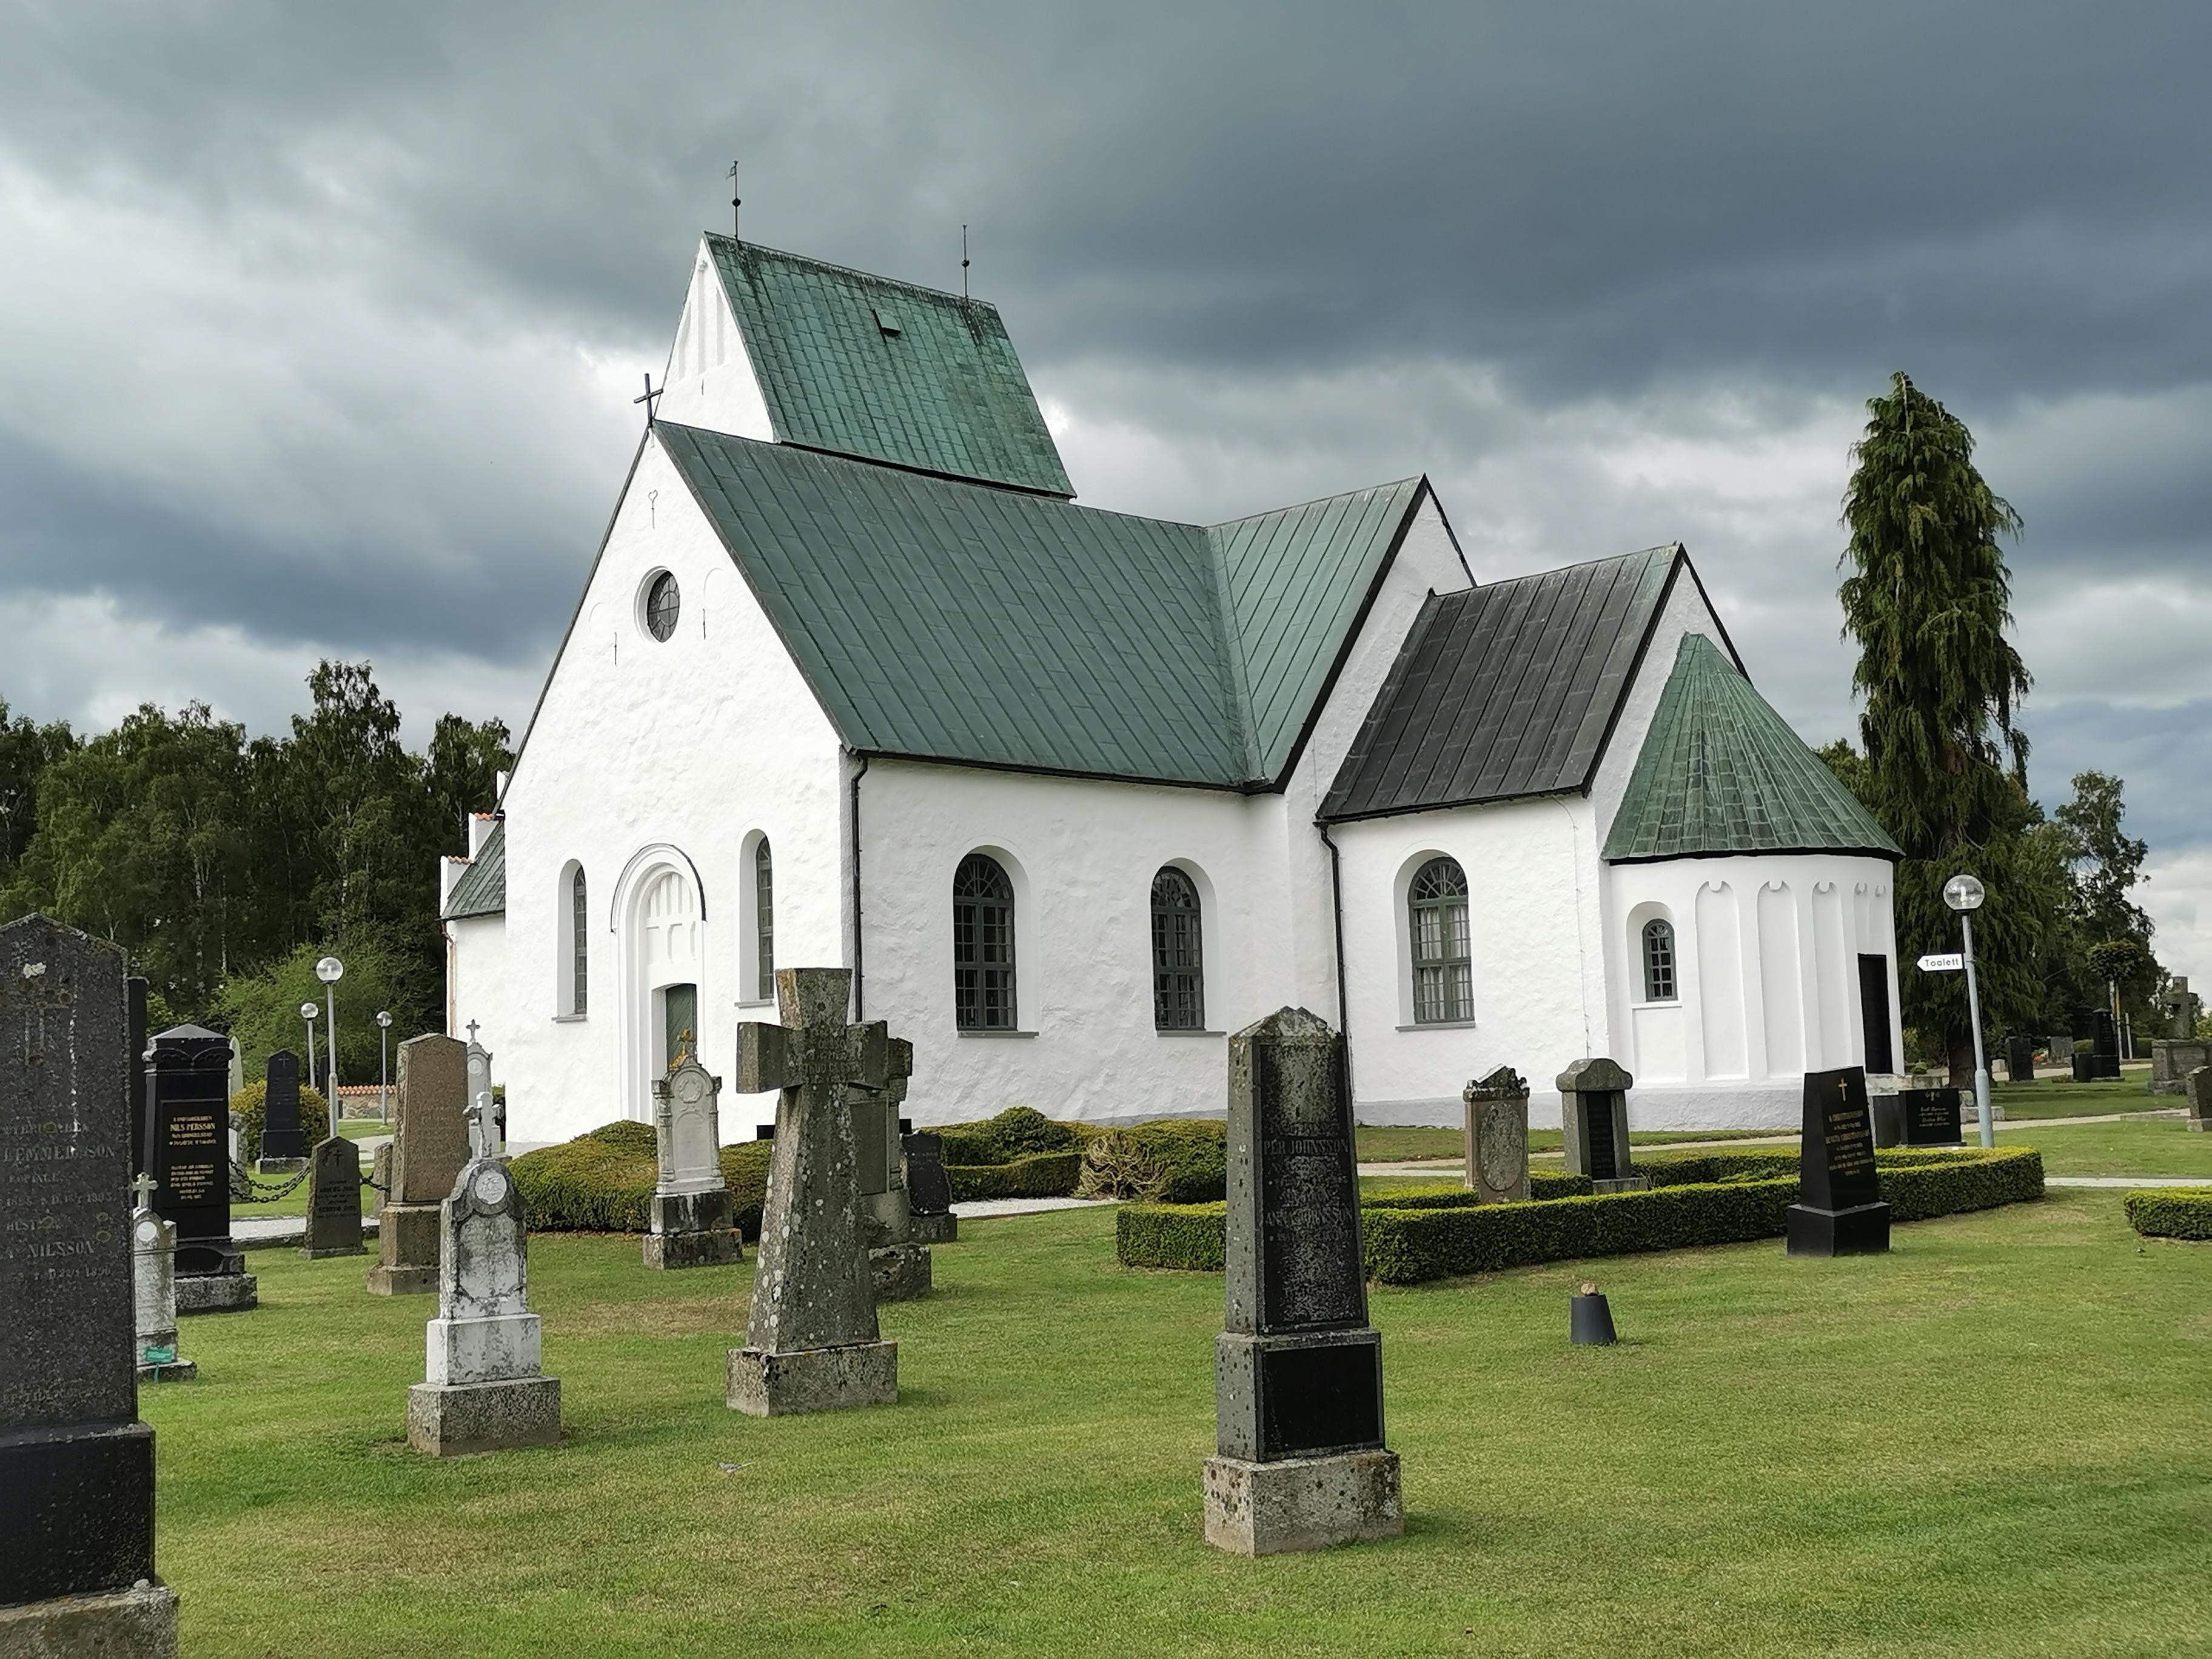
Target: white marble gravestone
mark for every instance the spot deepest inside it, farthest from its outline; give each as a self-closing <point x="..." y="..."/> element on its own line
<point x="691" y="1225"/>
<point x="481" y="1389"/>
<point x="154" y="1280"/>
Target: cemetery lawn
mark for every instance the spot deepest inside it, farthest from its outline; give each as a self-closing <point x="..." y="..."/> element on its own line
<point x="2026" y="1102"/>
<point x="1393" y="1143"/>
<point x="2154" y="1146"/>
<point x="1782" y="1457"/>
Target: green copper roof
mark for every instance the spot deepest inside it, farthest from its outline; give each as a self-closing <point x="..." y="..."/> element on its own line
<point x="945" y="620"/>
<point x="1721" y="772"/>
<point x="886" y="370"/>
<point x="482" y="888"/>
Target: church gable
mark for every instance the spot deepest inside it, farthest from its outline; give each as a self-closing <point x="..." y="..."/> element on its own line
<point x="887" y="371"/>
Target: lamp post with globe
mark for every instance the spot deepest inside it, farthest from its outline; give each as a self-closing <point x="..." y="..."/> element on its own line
<point x="1965" y="895"/>
<point x="384" y="1066"/>
<point x="330" y="970"/>
<point x="307" y="1012"/>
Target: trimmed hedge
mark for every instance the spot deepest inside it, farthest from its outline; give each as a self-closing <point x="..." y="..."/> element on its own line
<point x="1017" y="1132"/>
<point x="2165" y="1212"/>
<point x="1043" y="1174"/>
<point x="1440" y="1233"/>
<point x="602" y="1181"/>
<point x="251" y="1102"/>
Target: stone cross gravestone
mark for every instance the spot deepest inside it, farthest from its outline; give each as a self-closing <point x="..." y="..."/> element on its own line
<point x="429" y="1144"/>
<point x="333" y="1201"/>
<point x="187" y="1074"/>
<point x="1931" y="1117"/>
<point x="1496" y="1136"/>
<point x="1839" y="1209"/>
<point x="692" y="1221"/>
<point x="283" y="1151"/>
<point x="483" y="1389"/>
<point x="930" y="1219"/>
<point x="2181" y="1051"/>
<point x="1593" y="1112"/>
<point x="811" y="1343"/>
<point x="1299" y="1461"/>
<point x="2198" y="1085"/>
<point x="153" y="1278"/>
<point x="76" y="1467"/>
<point x="899" y="1265"/>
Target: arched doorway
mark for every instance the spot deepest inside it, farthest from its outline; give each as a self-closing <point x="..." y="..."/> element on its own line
<point x="661" y="923"/>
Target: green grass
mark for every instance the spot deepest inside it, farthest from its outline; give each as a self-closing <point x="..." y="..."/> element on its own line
<point x="2156" y="1146"/>
<point x="2044" y="1099"/>
<point x="1782" y="1457"/>
<point x="1402" y="1143"/>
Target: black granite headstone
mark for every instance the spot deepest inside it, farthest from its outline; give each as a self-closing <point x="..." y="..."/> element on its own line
<point x="76" y="1467"/>
<point x="2020" y="1057"/>
<point x="188" y="1080"/>
<point x="928" y="1189"/>
<point x="1931" y="1117"/>
<point x="2107" y="1038"/>
<point x="1298" y="1372"/>
<point x="334" y="1201"/>
<point x="1839" y="1209"/>
<point x="280" y="1110"/>
<point x="1604" y="1162"/>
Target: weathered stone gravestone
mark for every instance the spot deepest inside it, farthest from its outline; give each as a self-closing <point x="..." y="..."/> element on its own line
<point x="487" y="1118"/>
<point x="1839" y="1209"/>
<point x="429" y="1144"/>
<point x="483" y="1391"/>
<point x="76" y="1467"/>
<point x="1930" y="1117"/>
<point x="1299" y="1462"/>
<point x="928" y="1188"/>
<point x="187" y="1074"/>
<point x="1496" y="1136"/>
<point x="283" y="1151"/>
<point x="1593" y="1112"/>
<point x="154" y="1284"/>
<point x="333" y="1201"/>
<point x="2198" y="1084"/>
<point x="142" y="1126"/>
<point x="2174" y="1055"/>
<point x="692" y="1223"/>
<point x="811" y="1343"/>
<point x="898" y="1265"/>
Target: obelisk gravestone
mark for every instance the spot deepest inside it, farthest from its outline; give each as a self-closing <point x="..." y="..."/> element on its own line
<point x="1496" y="1136"/>
<point x="691" y="1224"/>
<point x="187" y="1080"/>
<point x="811" y="1343"/>
<point x="1594" y="1113"/>
<point x="76" y="1467"/>
<point x="1839" y="1209"/>
<point x="1300" y="1463"/>
<point x="429" y="1144"/>
<point x="483" y="1389"/>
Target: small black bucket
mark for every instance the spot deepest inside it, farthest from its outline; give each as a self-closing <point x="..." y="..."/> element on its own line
<point x="1590" y="1319"/>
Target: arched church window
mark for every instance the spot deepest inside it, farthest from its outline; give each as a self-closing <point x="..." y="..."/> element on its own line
<point x="764" y="921"/>
<point x="578" y="941"/>
<point x="982" y="945"/>
<point x="1178" y="963"/>
<point x="1659" y="960"/>
<point x="663" y="602"/>
<point x="1443" y="968"/>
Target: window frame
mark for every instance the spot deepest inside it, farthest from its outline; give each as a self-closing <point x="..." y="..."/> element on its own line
<point x="985" y="990"/>
<point x="1178" y="985"/>
<point x="1658" y="930"/>
<point x="580" y="945"/>
<point x="764" y="921"/>
<point x="1443" y="982"/>
<point x="646" y="606"/>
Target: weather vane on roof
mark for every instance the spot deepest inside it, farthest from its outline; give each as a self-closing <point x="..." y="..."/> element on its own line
<point x="736" y="201"/>
<point x="651" y="400"/>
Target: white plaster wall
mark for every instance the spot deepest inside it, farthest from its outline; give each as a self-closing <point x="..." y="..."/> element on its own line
<point x="709" y="380"/>
<point x="688" y="745"/>
<point x="1532" y="922"/>
<point x="1082" y="855"/>
<point x="1776" y="997"/>
<point x="476" y="977"/>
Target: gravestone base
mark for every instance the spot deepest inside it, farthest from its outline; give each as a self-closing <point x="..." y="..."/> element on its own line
<point x="1302" y="1502"/>
<point x="168" y="1370"/>
<point x="934" y="1229"/>
<point x="763" y="1385"/>
<point x="279" y="1166"/>
<point x="202" y="1293"/>
<point x="2196" y="1124"/>
<point x="900" y="1272"/>
<point x="314" y="1255"/>
<point x="1862" y="1229"/>
<point x="455" y="1419"/>
<point x="715" y="1248"/>
<point x="139" y="1623"/>
<point x="407" y="1242"/>
<point x="1623" y="1184"/>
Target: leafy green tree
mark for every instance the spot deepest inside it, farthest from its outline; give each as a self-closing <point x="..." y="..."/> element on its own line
<point x="1927" y="601"/>
<point x="262" y="1010"/>
<point x="27" y="749"/>
<point x="2107" y="864"/>
<point x="463" y="763"/>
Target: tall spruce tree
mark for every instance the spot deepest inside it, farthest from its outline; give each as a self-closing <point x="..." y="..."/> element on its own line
<point x="1927" y="601"/>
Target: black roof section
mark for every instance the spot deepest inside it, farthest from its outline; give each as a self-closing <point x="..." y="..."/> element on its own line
<point x="1506" y="691"/>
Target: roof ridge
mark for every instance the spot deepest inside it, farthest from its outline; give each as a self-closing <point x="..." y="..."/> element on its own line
<point x="735" y="244"/>
<point x="1315" y="501"/>
<point x="1669" y="549"/>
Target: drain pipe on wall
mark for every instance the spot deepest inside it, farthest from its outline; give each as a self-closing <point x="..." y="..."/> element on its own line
<point x="854" y="813"/>
<point x="1343" y="1010"/>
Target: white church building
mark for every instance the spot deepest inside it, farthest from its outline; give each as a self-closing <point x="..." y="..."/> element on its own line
<point x="855" y="682"/>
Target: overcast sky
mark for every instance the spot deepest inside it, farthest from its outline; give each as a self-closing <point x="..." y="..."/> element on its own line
<point x="320" y="324"/>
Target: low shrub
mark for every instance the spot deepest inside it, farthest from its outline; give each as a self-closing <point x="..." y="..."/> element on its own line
<point x="602" y="1181"/>
<point x="250" y="1104"/>
<point x="1949" y="1181"/>
<point x="1043" y="1174"/>
<point x="1017" y="1132"/>
<point x="1703" y="1169"/>
<point x="745" y="1170"/>
<point x="2171" y="1211"/>
<point x="1171" y="1161"/>
<point x="1194" y="1236"/>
